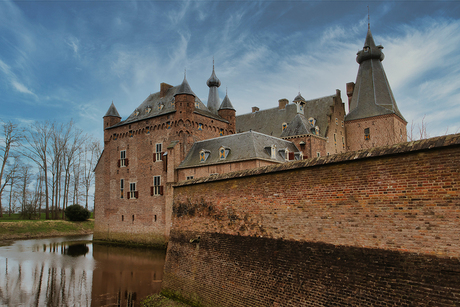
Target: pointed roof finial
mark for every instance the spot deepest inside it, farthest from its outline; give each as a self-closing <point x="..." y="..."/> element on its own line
<point x="368" y="19"/>
<point x="184" y="88"/>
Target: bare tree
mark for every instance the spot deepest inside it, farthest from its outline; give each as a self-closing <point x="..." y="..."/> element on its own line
<point x="38" y="143"/>
<point x="92" y="153"/>
<point x="11" y="138"/>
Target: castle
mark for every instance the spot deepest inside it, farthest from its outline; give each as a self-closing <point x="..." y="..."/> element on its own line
<point x="172" y="136"/>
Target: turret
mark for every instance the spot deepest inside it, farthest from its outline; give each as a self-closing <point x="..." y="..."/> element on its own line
<point x="227" y="112"/>
<point x="184" y="99"/>
<point x="300" y="103"/>
<point x="110" y="118"/>
<point x="213" y="97"/>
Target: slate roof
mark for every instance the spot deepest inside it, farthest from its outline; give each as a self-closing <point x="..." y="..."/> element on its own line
<point x="226" y="104"/>
<point x="372" y="95"/>
<point x="112" y="111"/>
<point x="298" y="126"/>
<point x="213" y="98"/>
<point x="164" y="105"/>
<point x="243" y="146"/>
<point x="270" y="121"/>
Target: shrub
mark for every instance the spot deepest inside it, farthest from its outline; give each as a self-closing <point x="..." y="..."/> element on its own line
<point x="77" y="213"/>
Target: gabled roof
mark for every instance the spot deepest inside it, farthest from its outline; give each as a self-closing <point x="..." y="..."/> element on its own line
<point x="243" y="146"/>
<point x="298" y="126"/>
<point x="112" y="111"/>
<point x="270" y="121"/>
<point x="163" y="105"/>
<point x="372" y="95"/>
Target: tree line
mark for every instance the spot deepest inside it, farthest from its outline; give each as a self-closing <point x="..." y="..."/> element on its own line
<point x="45" y="167"/>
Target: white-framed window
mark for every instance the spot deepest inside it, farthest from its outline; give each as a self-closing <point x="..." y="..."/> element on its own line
<point x="157" y="187"/>
<point x="123" y="159"/>
<point x="273" y="152"/>
<point x="158" y="152"/>
<point x="132" y="191"/>
<point x="122" y="185"/>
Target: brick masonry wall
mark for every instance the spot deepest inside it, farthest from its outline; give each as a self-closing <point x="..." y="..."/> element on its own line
<point x="384" y="224"/>
<point x="147" y="218"/>
<point x="384" y="130"/>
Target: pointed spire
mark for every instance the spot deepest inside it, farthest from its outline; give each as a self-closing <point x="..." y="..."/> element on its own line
<point x="226" y="103"/>
<point x="112" y="111"/>
<point x="372" y="95"/>
<point x="213" y="97"/>
<point x="185" y="88"/>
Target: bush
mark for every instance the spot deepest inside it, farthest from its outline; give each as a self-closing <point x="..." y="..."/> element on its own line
<point x="77" y="213"/>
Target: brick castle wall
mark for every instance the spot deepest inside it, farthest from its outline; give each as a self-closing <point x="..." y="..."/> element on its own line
<point x="377" y="227"/>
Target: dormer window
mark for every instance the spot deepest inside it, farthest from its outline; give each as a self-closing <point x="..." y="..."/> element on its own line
<point x="273" y="152"/>
<point x="312" y="121"/>
<point x="283" y="126"/>
<point x="298" y="156"/>
<point x="136" y="112"/>
<point x="223" y="152"/>
<point x="148" y="109"/>
<point x="204" y="155"/>
<point x="300" y="107"/>
<point x="196" y="104"/>
<point x="317" y="130"/>
<point x="161" y="106"/>
<point x="284" y="153"/>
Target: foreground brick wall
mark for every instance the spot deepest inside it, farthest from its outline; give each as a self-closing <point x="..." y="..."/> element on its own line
<point x="377" y="227"/>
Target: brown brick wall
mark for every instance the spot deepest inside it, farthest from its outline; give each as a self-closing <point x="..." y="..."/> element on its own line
<point x="147" y="218"/>
<point x="384" y="130"/>
<point x="336" y="126"/>
<point x="377" y="227"/>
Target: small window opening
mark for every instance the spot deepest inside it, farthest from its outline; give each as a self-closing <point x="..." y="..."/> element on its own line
<point x="367" y="134"/>
<point x="122" y="218"/>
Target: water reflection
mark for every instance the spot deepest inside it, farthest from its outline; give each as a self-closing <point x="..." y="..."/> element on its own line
<point x="71" y="271"/>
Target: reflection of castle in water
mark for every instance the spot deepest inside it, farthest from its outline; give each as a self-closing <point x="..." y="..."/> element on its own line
<point x="45" y="275"/>
<point x="123" y="276"/>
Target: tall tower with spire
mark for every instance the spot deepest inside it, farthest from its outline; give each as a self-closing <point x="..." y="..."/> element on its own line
<point x="213" y="97"/>
<point x="374" y="118"/>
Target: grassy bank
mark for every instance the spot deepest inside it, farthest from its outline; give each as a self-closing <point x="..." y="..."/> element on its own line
<point x="24" y="229"/>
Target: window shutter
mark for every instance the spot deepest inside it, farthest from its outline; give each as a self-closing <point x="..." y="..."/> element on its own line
<point x="126" y="162"/>
<point x="154" y="157"/>
<point x="118" y="163"/>
<point x="291" y="155"/>
<point x="151" y="191"/>
<point x="305" y="157"/>
<point x="161" y="190"/>
<point x="127" y="194"/>
<point x="136" y="194"/>
<point x="165" y="163"/>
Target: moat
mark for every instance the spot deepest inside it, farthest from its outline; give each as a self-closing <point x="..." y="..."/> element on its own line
<point x="74" y="271"/>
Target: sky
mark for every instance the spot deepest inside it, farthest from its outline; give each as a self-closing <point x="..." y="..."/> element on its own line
<point x="68" y="60"/>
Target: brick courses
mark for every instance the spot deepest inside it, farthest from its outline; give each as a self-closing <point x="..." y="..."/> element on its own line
<point x="381" y="224"/>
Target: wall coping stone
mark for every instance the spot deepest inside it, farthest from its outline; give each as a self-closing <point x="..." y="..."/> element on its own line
<point x="444" y="141"/>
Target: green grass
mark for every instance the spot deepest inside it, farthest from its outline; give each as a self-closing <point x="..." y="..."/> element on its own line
<point x="24" y="229"/>
<point x="15" y="217"/>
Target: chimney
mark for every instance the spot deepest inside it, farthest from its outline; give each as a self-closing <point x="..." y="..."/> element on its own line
<point x="164" y="87"/>
<point x="255" y="109"/>
<point x="282" y="103"/>
<point x="350" y="89"/>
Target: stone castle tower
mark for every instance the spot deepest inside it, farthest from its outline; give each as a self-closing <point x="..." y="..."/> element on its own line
<point x="374" y="118"/>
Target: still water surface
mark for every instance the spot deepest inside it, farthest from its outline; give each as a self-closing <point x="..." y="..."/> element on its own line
<point x="72" y="271"/>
